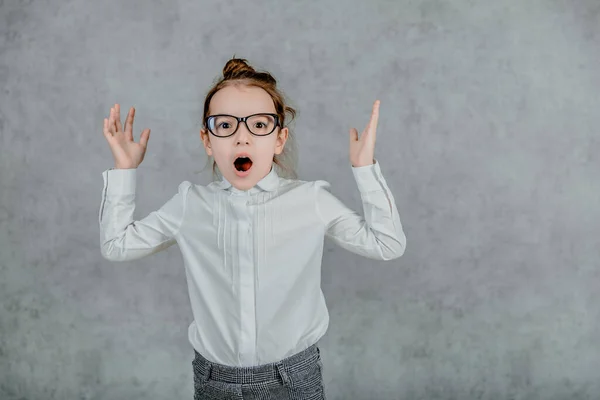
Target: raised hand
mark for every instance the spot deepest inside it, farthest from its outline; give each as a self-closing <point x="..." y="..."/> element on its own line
<point x="126" y="152"/>
<point x="362" y="150"/>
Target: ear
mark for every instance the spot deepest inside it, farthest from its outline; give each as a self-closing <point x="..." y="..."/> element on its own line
<point x="282" y="137"/>
<point x="205" y="137"/>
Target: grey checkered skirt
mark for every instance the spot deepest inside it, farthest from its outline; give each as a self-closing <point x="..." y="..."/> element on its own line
<point x="298" y="377"/>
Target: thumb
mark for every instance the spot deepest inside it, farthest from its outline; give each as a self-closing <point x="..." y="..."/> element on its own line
<point x="353" y="135"/>
<point x="144" y="137"/>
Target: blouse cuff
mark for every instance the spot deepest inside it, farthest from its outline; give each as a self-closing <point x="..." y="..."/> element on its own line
<point x="368" y="177"/>
<point x="120" y="181"/>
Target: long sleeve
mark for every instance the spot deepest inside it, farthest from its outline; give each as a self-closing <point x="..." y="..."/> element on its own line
<point x="379" y="234"/>
<point x="121" y="237"/>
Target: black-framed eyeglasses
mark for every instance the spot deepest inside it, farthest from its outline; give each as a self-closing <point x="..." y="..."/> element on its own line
<point x="223" y="125"/>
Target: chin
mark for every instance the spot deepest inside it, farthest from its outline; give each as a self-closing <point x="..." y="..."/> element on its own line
<point x="244" y="184"/>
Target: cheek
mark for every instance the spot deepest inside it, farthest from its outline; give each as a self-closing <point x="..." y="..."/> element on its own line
<point x="220" y="149"/>
<point x="268" y="144"/>
<point x="266" y="149"/>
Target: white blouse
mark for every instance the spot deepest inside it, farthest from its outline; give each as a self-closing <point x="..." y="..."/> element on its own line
<point x="252" y="258"/>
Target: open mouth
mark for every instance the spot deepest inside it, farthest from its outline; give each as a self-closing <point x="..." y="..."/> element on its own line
<point x="242" y="164"/>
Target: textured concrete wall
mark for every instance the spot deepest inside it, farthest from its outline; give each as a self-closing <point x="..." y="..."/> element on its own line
<point x="488" y="137"/>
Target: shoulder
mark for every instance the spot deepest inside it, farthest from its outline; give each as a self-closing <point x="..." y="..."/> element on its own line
<point x="303" y="185"/>
<point x="195" y="190"/>
<point x="183" y="189"/>
<point x="321" y="185"/>
<point x="198" y="190"/>
<point x="185" y="186"/>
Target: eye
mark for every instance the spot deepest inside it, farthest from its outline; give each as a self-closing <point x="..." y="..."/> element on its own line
<point x="224" y="125"/>
<point x="260" y="125"/>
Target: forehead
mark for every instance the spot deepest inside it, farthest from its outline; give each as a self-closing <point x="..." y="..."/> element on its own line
<point x="241" y="100"/>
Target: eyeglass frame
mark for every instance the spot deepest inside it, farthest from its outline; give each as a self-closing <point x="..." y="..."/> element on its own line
<point x="243" y="119"/>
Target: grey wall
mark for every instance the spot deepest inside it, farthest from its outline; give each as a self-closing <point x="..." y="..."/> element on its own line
<point x="488" y="137"/>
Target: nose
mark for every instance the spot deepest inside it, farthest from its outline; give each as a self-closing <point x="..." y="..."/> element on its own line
<point x="243" y="135"/>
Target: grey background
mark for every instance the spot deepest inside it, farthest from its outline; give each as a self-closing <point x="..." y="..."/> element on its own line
<point x="488" y="137"/>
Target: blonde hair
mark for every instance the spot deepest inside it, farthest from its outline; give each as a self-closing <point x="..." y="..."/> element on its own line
<point x="238" y="72"/>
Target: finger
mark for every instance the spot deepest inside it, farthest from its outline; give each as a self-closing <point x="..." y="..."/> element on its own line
<point x="111" y="122"/>
<point x="374" y="116"/>
<point x="353" y="135"/>
<point x="106" y="131"/>
<point x="118" y="118"/>
<point x="144" y="137"/>
<point x="129" y="123"/>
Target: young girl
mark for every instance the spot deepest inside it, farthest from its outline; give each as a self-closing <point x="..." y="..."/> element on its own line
<point x="252" y="240"/>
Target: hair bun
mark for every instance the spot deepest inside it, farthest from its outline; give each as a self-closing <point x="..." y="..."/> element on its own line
<point x="237" y="68"/>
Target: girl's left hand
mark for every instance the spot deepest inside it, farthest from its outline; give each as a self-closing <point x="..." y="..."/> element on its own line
<point x="362" y="150"/>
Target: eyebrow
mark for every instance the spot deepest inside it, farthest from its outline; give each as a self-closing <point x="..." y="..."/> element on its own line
<point x="241" y="116"/>
<point x="254" y="113"/>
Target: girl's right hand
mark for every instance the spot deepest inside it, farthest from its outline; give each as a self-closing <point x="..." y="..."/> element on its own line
<point x="126" y="152"/>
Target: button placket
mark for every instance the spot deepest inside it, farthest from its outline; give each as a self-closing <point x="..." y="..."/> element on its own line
<point x="247" y="281"/>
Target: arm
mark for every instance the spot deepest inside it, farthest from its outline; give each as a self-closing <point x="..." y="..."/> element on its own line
<point x="122" y="238"/>
<point x="379" y="235"/>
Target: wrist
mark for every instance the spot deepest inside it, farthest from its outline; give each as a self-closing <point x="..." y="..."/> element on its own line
<point x="362" y="163"/>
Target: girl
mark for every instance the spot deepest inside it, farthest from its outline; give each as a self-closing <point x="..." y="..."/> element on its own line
<point x="252" y="240"/>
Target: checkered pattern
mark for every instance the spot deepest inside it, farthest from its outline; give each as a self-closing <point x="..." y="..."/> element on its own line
<point x="298" y="377"/>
